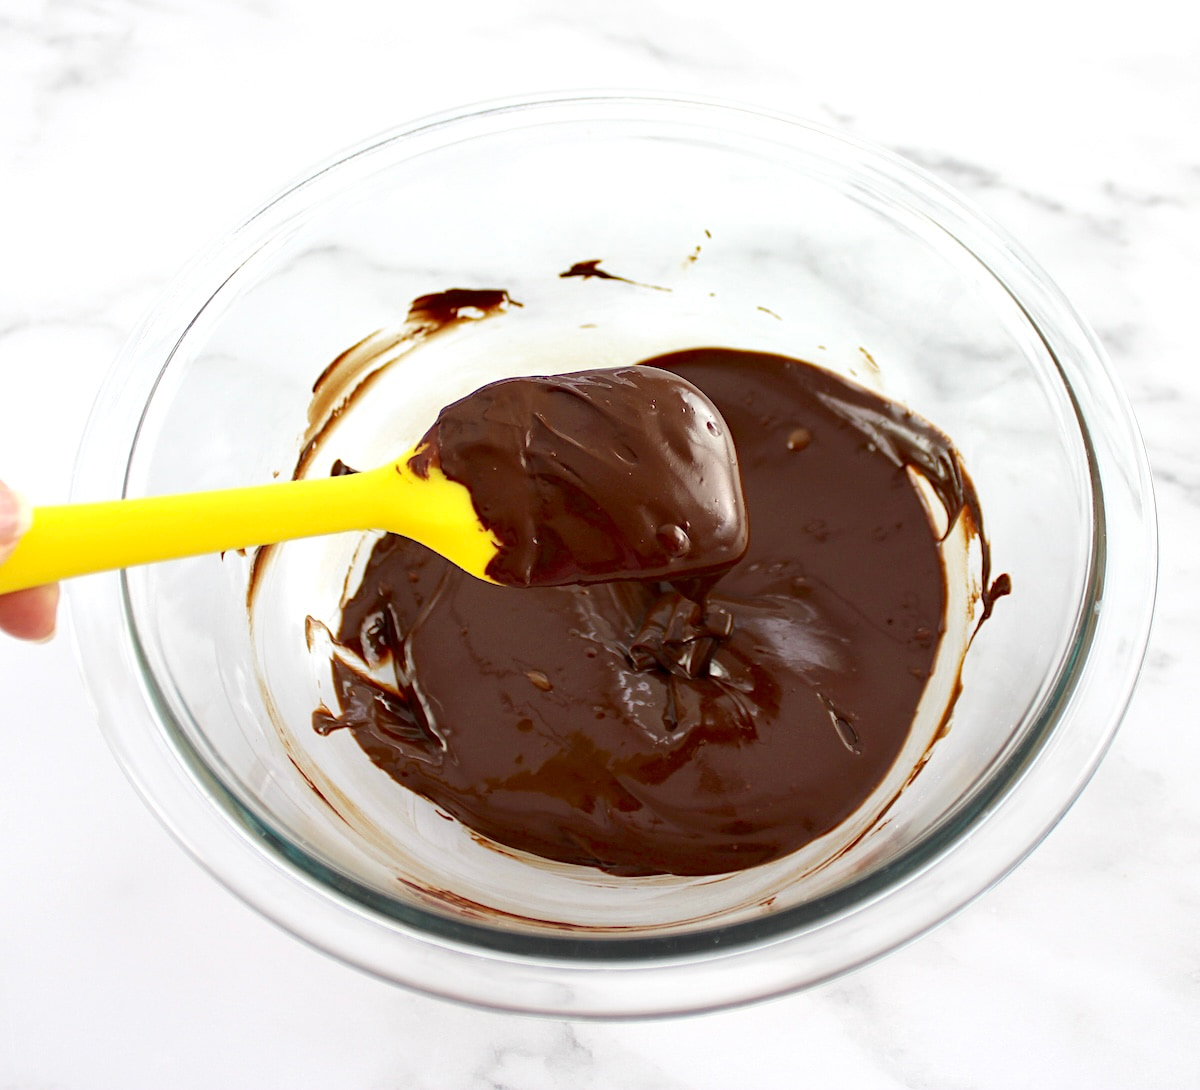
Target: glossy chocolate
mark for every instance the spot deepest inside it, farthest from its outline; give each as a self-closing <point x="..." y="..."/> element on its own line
<point x="643" y="728"/>
<point x="594" y="475"/>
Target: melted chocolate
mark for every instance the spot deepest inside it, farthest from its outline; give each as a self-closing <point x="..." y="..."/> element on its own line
<point x="592" y="475"/>
<point x="632" y="727"/>
<point x="590" y="270"/>
<point x="442" y="308"/>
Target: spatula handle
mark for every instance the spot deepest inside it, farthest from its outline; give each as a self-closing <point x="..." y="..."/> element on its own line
<point x="76" y="539"/>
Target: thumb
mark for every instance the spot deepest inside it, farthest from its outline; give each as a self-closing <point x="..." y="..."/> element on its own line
<point x="14" y="519"/>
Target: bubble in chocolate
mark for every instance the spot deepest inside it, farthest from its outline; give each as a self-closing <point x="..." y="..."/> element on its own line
<point x="798" y="438"/>
<point x="674" y="540"/>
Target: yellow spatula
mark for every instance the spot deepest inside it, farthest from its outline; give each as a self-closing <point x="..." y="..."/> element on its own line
<point x="77" y="539"/>
<point x="625" y="473"/>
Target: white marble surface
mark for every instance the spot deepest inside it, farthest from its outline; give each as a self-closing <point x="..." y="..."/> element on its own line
<point x="132" y="132"/>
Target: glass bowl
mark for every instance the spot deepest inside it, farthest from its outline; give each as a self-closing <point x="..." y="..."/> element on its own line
<point x="726" y="226"/>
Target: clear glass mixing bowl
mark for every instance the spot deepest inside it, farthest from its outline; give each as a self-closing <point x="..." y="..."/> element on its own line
<point x="732" y="227"/>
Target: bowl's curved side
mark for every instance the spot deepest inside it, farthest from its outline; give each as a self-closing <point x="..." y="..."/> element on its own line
<point x="957" y="860"/>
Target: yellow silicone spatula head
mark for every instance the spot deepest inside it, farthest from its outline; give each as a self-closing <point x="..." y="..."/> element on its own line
<point x="535" y="481"/>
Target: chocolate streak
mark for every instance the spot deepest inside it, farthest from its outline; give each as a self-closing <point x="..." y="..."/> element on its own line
<point x="629" y="727"/>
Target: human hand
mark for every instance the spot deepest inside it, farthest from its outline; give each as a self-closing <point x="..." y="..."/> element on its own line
<point x="26" y="614"/>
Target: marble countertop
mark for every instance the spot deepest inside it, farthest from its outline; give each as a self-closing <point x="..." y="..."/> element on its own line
<point x="133" y="132"/>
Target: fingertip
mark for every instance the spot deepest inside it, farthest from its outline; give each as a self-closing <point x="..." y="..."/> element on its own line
<point x="16" y="516"/>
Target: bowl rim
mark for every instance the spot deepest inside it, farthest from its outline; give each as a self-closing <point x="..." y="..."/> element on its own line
<point x="327" y="909"/>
